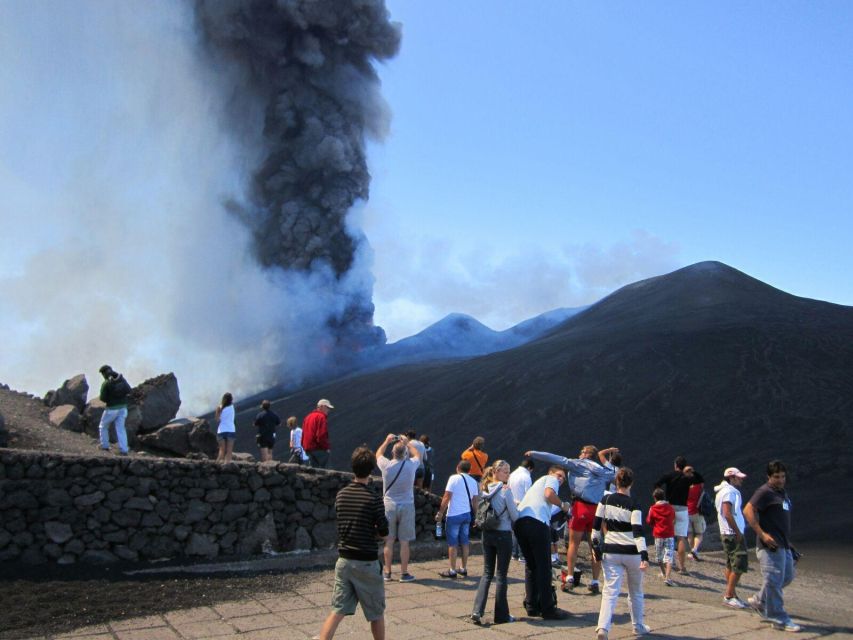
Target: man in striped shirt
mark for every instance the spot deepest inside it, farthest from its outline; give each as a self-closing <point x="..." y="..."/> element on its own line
<point x="361" y="525"/>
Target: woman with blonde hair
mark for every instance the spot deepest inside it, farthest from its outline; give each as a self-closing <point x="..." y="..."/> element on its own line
<point x="297" y="453"/>
<point x="497" y="543"/>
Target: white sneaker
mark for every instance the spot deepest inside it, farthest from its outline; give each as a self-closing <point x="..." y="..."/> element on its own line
<point x="787" y="625"/>
<point x="642" y="629"/>
<point x="735" y="603"/>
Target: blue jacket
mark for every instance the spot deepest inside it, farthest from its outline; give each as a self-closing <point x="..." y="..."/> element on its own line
<point x="588" y="480"/>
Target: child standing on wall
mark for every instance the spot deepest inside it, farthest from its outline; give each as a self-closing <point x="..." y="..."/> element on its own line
<point x="661" y="517"/>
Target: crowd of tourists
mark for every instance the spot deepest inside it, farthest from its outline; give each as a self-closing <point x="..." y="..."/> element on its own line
<point x="521" y="519"/>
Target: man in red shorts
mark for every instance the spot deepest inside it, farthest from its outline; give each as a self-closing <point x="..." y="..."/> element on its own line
<point x="588" y="480"/>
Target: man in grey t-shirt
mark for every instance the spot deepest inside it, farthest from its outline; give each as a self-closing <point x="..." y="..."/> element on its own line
<point x="398" y="478"/>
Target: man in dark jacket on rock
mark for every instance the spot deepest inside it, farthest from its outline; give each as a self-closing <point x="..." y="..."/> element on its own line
<point x="114" y="393"/>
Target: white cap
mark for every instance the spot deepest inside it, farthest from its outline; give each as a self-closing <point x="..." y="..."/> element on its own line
<point x="325" y="403"/>
<point x="733" y="471"/>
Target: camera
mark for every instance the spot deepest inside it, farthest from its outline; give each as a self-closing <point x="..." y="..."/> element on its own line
<point x="396" y="438"/>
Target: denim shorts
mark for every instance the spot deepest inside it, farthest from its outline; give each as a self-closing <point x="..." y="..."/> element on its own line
<point x="226" y="435"/>
<point x="457" y="529"/>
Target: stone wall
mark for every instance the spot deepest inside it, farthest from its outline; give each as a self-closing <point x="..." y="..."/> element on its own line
<point x="67" y="509"/>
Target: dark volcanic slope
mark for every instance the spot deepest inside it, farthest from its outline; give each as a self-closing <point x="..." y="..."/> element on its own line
<point x="705" y="361"/>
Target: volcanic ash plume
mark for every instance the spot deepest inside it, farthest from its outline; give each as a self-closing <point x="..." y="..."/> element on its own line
<point x="307" y="65"/>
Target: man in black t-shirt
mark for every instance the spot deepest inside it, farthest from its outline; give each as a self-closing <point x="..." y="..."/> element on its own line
<point x="676" y="484"/>
<point x="361" y="524"/>
<point x="266" y="422"/>
<point x="768" y="512"/>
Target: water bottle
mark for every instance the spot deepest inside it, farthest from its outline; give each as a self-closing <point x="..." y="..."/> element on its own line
<point x="439" y="530"/>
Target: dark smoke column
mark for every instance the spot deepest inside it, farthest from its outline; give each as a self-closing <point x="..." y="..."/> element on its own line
<point x="310" y="64"/>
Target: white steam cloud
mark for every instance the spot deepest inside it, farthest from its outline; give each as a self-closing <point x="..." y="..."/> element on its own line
<point x="115" y="245"/>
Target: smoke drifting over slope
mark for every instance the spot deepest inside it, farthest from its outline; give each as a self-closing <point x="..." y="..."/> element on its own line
<point x="172" y="200"/>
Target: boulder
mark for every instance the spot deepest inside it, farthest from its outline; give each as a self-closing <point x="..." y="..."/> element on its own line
<point x="158" y="400"/>
<point x="66" y="416"/>
<point x="73" y="391"/>
<point x="242" y="457"/>
<point x="262" y="534"/>
<point x="182" y="437"/>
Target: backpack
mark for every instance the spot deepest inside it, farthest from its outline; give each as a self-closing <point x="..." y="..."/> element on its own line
<point x="707" y="507"/>
<point x="486" y="518"/>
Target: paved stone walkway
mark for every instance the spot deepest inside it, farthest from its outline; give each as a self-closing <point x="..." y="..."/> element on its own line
<point x="433" y="607"/>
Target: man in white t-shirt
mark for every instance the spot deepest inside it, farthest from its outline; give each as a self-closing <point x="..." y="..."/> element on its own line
<point x="729" y="503"/>
<point x="533" y="531"/>
<point x="398" y="478"/>
<point x="459" y="501"/>
<point x="520" y="481"/>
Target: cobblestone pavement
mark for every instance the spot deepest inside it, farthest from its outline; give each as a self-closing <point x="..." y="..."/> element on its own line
<point x="433" y="607"/>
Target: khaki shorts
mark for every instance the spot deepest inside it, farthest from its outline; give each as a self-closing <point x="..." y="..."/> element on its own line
<point x="737" y="560"/>
<point x="401" y="522"/>
<point x="697" y="524"/>
<point x="359" y="582"/>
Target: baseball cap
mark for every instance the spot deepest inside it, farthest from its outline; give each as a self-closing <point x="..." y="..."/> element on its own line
<point x="733" y="471"/>
<point x="325" y="403"/>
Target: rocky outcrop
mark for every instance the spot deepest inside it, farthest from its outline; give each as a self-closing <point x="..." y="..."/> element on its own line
<point x="158" y="400"/>
<point x="66" y="416"/>
<point x="73" y="391"/>
<point x="4" y="434"/>
<point x="182" y="437"/>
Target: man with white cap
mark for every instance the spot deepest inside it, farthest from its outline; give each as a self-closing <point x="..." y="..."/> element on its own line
<point x="315" y="435"/>
<point x="729" y="505"/>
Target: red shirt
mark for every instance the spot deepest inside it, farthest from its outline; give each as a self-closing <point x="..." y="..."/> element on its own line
<point x="315" y="432"/>
<point x="693" y="498"/>
<point x="662" y="518"/>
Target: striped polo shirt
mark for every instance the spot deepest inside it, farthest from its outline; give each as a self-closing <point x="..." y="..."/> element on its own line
<point x="624" y="522"/>
<point x="360" y="519"/>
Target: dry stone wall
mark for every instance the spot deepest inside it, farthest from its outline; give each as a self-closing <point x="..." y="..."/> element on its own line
<point x="68" y="509"/>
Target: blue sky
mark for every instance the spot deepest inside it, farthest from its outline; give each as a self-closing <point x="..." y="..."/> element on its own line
<point x="599" y="143"/>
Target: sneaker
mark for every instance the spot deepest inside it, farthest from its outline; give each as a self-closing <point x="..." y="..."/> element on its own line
<point x="601" y="634"/>
<point x="735" y="603"/>
<point x="476" y="619"/>
<point x="449" y="573"/>
<point x="593" y="588"/>
<point x="555" y="563"/>
<point x="407" y="577"/>
<point x="463" y="572"/>
<point x="668" y="582"/>
<point x="695" y="555"/>
<point x="509" y="619"/>
<point x="386" y="577"/>
<point x="555" y="614"/>
<point x="569" y="586"/>
<point x="642" y="629"/>
<point x="787" y="625"/>
<point x="755" y="605"/>
<point x="521" y="559"/>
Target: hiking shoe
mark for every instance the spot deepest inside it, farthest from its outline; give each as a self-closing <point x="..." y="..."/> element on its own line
<point x="449" y="573"/>
<point x="593" y="588"/>
<point x="476" y="619"/>
<point x="463" y="572"/>
<point x="642" y="629"/>
<point x="386" y="577"/>
<point x="407" y="577"/>
<point x="555" y="614"/>
<point x="787" y="625"/>
<point x="735" y="603"/>
<point x="668" y="582"/>
<point x="695" y="555"/>
<point x="601" y="634"/>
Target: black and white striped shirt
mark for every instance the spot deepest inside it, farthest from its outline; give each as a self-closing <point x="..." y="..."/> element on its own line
<point x="624" y="523"/>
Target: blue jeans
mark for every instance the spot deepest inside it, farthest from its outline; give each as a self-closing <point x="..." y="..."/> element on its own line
<point x="777" y="569"/>
<point x="497" y="546"/>
<point x="110" y="416"/>
<point x="457" y="529"/>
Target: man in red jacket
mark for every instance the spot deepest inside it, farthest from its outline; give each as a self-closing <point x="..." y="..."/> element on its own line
<point x="315" y="435"/>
